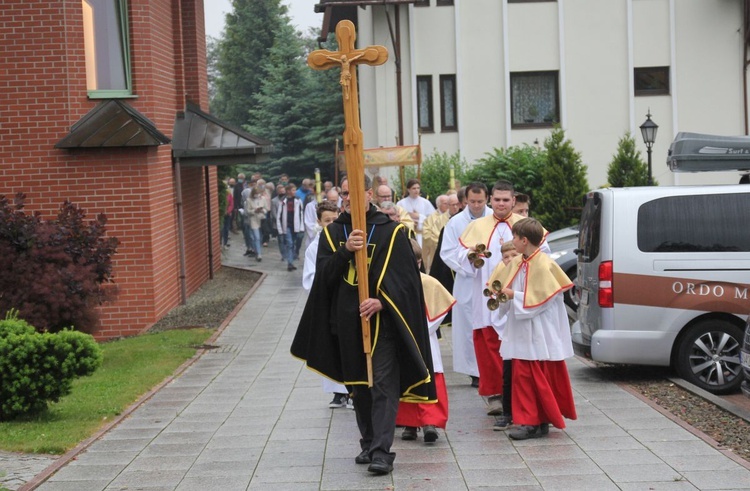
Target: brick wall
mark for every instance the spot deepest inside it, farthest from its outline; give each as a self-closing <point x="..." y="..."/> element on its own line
<point x="43" y="93"/>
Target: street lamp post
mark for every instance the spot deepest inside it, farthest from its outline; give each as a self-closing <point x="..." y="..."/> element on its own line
<point x="648" y="131"/>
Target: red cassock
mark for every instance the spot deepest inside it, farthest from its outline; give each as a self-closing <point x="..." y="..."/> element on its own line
<point x="421" y="414"/>
<point x="542" y="393"/>
<point x="489" y="361"/>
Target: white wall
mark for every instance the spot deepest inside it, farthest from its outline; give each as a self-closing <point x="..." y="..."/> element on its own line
<point x="594" y="44"/>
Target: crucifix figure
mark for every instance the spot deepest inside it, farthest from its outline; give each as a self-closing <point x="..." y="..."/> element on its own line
<point x="347" y="58"/>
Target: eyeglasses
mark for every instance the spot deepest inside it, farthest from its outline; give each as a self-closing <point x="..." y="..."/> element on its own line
<point x="384" y="196"/>
<point x="344" y="194"/>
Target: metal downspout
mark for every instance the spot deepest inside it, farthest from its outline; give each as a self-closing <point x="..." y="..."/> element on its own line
<point x="180" y="231"/>
<point x="396" y="41"/>
<point x="746" y="62"/>
<point x="206" y="177"/>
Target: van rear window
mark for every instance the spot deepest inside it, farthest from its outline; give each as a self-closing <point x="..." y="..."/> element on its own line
<point x="701" y="223"/>
<point x="590" y="231"/>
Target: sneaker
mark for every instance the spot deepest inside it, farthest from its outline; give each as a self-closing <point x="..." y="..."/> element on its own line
<point x="409" y="433"/>
<point x="502" y="423"/>
<point x="258" y="258"/>
<point x="429" y="433"/>
<point x="495" y="405"/>
<point x="339" y="400"/>
<point x="350" y="403"/>
<point x="524" y="432"/>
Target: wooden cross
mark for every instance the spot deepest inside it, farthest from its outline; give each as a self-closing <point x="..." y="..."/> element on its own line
<point x="347" y="58"/>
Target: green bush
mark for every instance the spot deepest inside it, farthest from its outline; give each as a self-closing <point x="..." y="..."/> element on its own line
<point x="626" y="168"/>
<point x="38" y="368"/>
<point x="434" y="174"/>
<point x="564" y="184"/>
<point x="520" y="165"/>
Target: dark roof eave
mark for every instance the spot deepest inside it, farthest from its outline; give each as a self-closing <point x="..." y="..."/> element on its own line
<point x="321" y="7"/>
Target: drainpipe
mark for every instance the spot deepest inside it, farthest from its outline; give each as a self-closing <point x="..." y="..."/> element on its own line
<point x="180" y="231"/>
<point x="206" y="176"/>
<point x="396" y="41"/>
<point x="746" y="62"/>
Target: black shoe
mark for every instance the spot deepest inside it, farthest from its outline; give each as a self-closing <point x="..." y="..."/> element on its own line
<point x="259" y="259"/>
<point x="290" y="267"/>
<point x="544" y="428"/>
<point x="380" y="466"/>
<point x="474" y="381"/>
<point x="363" y="457"/>
<point x="524" y="432"/>
<point x="502" y="423"/>
<point x="429" y="433"/>
<point x="409" y="433"/>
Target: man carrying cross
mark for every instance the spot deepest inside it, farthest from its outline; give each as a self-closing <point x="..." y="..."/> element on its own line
<point x="329" y="339"/>
<point x="366" y="275"/>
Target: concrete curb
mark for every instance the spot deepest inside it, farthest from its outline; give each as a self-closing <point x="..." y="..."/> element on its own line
<point x="75" y="451"/>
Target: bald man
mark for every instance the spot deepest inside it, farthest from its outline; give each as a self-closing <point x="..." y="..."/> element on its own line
<point x="382" y="194"/>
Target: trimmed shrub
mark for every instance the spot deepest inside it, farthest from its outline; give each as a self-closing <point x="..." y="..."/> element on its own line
<point x="54" y="272"/>
<point x="626" y="168"/>
<point x="564" y="184"/>
<point x="37" y="368"/>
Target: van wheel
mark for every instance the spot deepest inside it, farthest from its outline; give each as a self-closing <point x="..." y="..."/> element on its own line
<point x="709" y="356"/>
<point x="571" y="297"/>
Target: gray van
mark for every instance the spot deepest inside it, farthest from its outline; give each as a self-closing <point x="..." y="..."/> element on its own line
<point x="663" y="276"/>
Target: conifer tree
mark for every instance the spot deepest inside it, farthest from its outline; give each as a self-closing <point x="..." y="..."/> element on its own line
<point x="564" y="184"/>
<point x="242" y="52"/>
<point x="325" y="112"/>
<point x="627" y="169"/>
<point x="280" y="112"/>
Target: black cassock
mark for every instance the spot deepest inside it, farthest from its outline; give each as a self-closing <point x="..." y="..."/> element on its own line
<point x="329" y="335"/>
<point x="445" y="275"/>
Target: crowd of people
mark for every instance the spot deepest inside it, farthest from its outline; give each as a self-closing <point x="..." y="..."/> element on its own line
<point x="474" y="263"/>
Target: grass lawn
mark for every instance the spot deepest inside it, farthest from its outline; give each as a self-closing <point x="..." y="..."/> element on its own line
<point x="131" y="367"/>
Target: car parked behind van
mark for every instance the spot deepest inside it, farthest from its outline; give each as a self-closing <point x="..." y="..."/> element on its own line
<point x="663" y="277"/>
<point x="562" y="244"/>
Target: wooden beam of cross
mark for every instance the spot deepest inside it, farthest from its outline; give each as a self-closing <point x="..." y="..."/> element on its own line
<point x="347" y="58"/>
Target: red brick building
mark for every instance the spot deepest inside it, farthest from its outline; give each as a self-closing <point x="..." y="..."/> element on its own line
<point x="92" y="93"/>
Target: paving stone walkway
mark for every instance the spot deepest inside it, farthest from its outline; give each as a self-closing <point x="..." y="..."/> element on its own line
<point x="250" y="417"/>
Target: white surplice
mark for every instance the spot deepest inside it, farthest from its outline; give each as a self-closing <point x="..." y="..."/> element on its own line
<point x="419" y="205"/>
<point x="464" y="357"/>
<point x="537" y="333"/>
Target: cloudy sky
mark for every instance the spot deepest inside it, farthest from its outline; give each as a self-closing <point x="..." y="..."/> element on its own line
<point x="301" y="12"/>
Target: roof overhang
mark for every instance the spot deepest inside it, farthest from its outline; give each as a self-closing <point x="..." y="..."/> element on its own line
<point x="113" y="123"/>
<point x="200" y="139"/>
<point x="335" y="11"/>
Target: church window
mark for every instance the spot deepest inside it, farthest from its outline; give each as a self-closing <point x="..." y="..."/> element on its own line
<point x="448" y="116"/>
<point x="424" y="103"/>
<point x="534" y="99"/>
